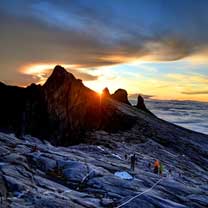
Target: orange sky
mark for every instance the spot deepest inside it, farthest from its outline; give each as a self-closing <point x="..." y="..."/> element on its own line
<point x="135" y="77"/>
<point x="151" y="47"/>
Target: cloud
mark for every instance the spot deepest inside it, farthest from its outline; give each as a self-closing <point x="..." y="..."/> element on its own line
<point x="92" y="34"/>
<point x="40" y="72"/>
<point x="135" y="95"/>
<point x="67" y="22"/>
<point x="196" y="92"/>
<point x="192" y="79"/>
<point x="83" y="75"/>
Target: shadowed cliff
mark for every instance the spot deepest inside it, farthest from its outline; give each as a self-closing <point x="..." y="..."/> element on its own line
<point x="61" y="110"/>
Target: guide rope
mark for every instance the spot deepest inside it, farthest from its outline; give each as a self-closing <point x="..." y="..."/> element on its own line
<point x="128" y="201"/>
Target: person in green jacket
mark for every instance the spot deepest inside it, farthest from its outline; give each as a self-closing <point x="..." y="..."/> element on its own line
<point x="161" y="169"/>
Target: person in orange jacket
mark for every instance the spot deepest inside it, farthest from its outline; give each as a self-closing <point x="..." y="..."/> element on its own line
<point x="156" y="166"/>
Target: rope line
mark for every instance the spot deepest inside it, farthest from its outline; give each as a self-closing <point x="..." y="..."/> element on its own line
<point x="128" y="201"/>
<point x="84" y="178"/>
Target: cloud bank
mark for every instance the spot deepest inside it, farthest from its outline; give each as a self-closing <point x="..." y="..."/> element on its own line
<point x="93" y="33"/>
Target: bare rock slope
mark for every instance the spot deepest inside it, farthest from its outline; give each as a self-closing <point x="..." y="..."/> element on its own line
<point x="33" y="173"/>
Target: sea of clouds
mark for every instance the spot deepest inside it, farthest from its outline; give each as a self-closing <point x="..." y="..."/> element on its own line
<point x="189" y="114"/>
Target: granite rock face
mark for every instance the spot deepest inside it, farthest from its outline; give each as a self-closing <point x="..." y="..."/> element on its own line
<point x="74" y="109"/>
<point x="23" y="110"/>
<point x="105" y="92"/>
<point x="34" y="173"/>
<point x="121" y="96"/>
<point x="61" y="110"/>
<point x="141" y="105"/>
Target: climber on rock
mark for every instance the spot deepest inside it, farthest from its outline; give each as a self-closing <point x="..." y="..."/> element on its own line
<point x="133" y="161"/>
<point x="161" y="168"/>
<point x="156" y="166"/>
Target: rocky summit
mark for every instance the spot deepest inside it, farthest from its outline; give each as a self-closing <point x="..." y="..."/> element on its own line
<point x="38" y="168"/>
<point x="141" y="105"/>
<point x="121" y="95"/>
<point x="61" y="110"/>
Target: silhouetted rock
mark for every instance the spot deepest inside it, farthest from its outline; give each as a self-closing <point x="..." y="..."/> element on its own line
<point x="121" y="96"/>
<point x="140" y="104"/>
<point x="72" y="107"/>
<point x="61" y="110"/>
<point x="23" y="110"/>
<point x="105" y="92"/>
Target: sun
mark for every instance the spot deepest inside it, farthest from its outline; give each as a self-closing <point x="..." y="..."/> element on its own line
<point x="100" y="92"/>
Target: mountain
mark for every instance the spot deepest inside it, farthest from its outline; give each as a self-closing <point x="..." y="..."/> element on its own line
<point x="61" y="110"/>
<point x="101" y="130"/>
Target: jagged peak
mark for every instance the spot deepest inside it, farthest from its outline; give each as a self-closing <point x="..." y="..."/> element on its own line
<point x="61" y="71"/>
<point x="121" y="95"/>
<point x="59" y="75"/>
<point x="106" y="92"/>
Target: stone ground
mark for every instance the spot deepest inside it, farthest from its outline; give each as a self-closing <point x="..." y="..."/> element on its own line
<point x="34" y="173"/>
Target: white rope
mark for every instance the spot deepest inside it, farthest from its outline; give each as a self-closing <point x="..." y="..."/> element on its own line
<point x="155" y="184"/>
<point x="82" y="181"/>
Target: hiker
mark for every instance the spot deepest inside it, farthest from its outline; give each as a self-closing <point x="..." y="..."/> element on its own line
<point x="161" y="168"/>
<point x="156" y="166"/>
<point x="170" y="172"/>
<point x="149" y="165"/>
<point x="133" y="161"/>
<point x="126" y="157"/>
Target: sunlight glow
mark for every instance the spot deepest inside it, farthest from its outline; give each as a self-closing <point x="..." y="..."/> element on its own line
<point x="41" y="71"/>
<point x="135" y="77"/>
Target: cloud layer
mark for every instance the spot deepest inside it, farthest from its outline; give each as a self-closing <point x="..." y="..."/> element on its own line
<point x="90" y="34"/>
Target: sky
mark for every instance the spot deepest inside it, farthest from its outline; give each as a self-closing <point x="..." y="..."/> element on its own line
<point x="158" y="48"/>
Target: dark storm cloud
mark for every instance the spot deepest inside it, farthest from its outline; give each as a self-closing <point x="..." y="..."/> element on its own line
<point x="96" y="33"/>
